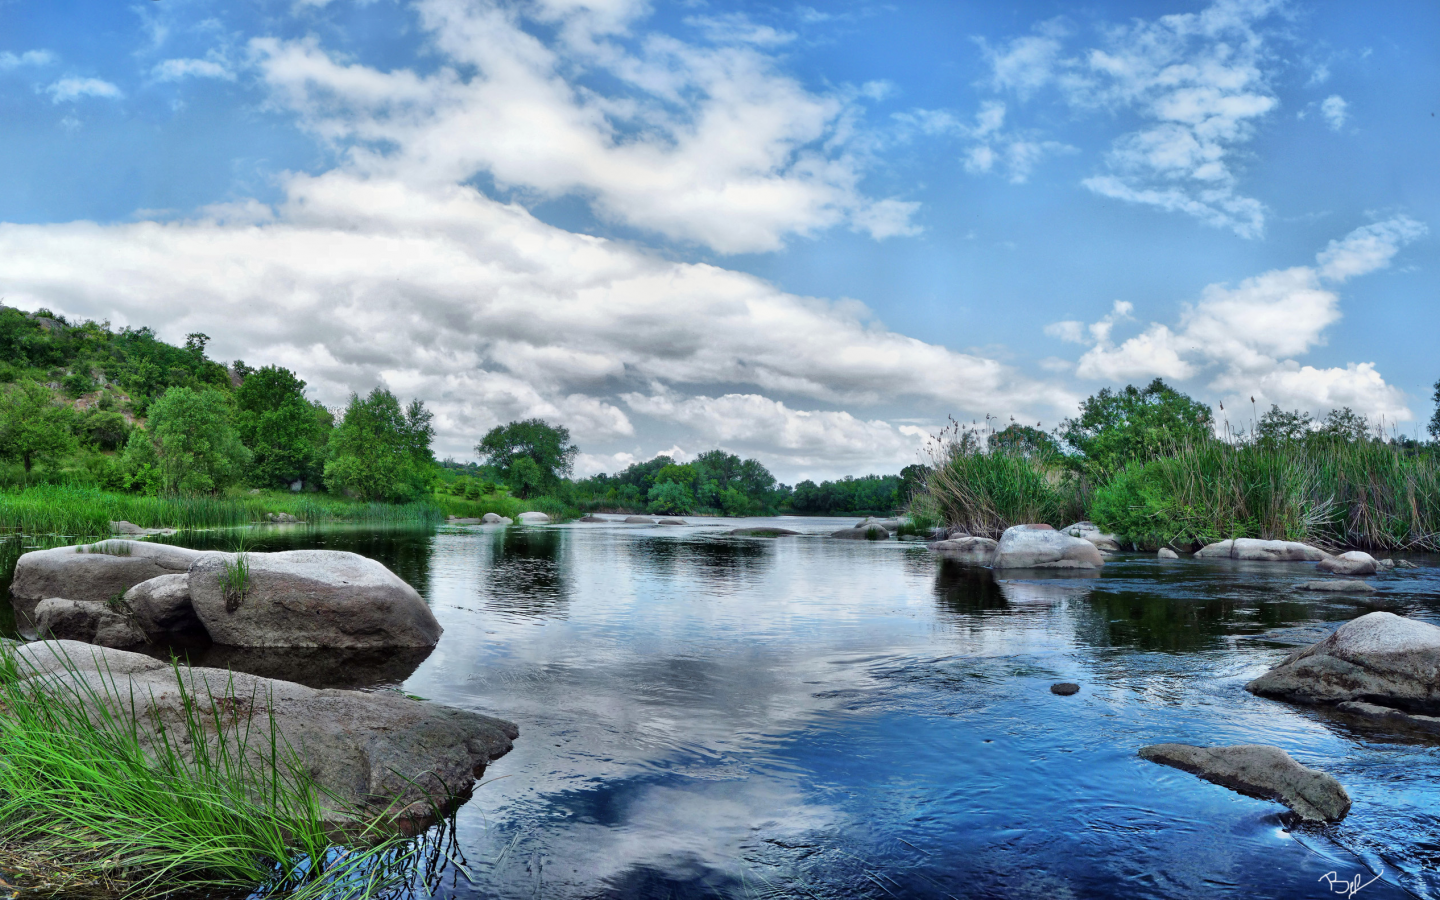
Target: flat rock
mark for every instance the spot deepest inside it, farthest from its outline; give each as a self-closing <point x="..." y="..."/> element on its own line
<point x="1033" y="547"/>
<point x="971" y="551"/>
<point x="763" y="531"/>
<point x="1391" y="718"/>
<point x="311" y="598"/>
<point x="672" y="522"/>
<point x="1261" y="551"/>
<point x="1065" y="688"/>
<point x="1378" y="657"/>
<point x="639" y="520"/>
<point x="891" y="524"/>
<point x="162" y="606"/>
<point x="1337" y="586"/>
<point x="99" y="572"/>
<point x="1356" y="562"/>
<point x="590" y="520"/>
<point x="380" y="751"/>
<point x="1259" y="770"/>
<point x="534" y="518"/>
<point x="872" y="532"/>
<point x="1167" y="553"/>
<point x="89" y="621"/>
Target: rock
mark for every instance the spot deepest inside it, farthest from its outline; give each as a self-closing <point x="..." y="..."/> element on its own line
<point x="99" y="572"/>
<point x="1032" y="547"/>
<point x="1337" y="586"/>
<point x="491" y="518"/>
<point x="124" y="527"/>
<point x="956" y="532"/>
<point x="1261" y="551"/>
<point x="1405" y="564"/>
<point x="892" y="525"/>
<point x="1259" y="770"/>
<point x="468" y="521"/>
<point x="162" y="606"/>
<point x="871" y="532"/>
<point x="379" y="751"/>
<point x="672" y="522"/>
<point x="88" y="621"/>
<point x="310" y="598"/>
<point x="1356" y="562"/>
<point x="589" y="520"/>
<point x="972" y="551"/>
<point x="763" y="532"/>
<point x="534" y="518"/>
<point x="1377" y="657"/>
<point x="1089" y="531"/>
<point x="282" y="518"/>
<point x="1393" y="719"/>
<point x="1384" y="564"/>
<point x="1065" y="688"/>
<point x="1167" y="553"/>
<point x="639" y="520"/>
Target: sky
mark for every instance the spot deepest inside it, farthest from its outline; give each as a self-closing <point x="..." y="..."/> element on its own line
<point x="808" y="233"/>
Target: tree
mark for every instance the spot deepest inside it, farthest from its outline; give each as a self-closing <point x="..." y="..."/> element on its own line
<point x="1118" y="427"/>
<point x="33" y="425"/>
<point x="670" y="498"/>
<point x="547" y="446"/>
<point x="1435" y="419"/>
<point x="1024" y="440"/>
<point x="286" y="433"/>
<point x="380" y="452"/>
<point x="1279" y="425"/>
<point x="188" y="443"/>
<point x="1345" y="424"/>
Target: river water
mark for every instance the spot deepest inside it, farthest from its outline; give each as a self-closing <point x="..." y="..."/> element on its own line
<point x="703" y="716"/>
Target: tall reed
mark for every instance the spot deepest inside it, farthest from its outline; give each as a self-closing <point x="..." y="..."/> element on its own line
<point x="985" y="492"/>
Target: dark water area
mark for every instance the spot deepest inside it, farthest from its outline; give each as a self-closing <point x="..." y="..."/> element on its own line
<point x="712" y="717"/>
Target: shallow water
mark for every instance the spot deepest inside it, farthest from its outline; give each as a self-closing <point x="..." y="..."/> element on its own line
<point x="706" y="716"/>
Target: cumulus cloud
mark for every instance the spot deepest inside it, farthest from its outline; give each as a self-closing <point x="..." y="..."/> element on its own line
<point x="705" y="144"/>
<point x="1334" y="109"/>
<point x="68" y="89"/>
<point x="1196" y="80"/>
<point x="10" y="60"/>
<point x="1244" y="338"/>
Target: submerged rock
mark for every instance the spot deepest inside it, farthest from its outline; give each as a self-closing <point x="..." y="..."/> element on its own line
<point x="1261" y="551"/>
<point x="1167" y="553"/>
<point x="161" y="606"/>
<point x="970" y="551"/>
<point x="1259" y="770"/>
<point x="534" y="518"/>
<point x="1392" y="719"/>
<point x="764" y="531"/>
<point x="383" y="753"/>
<point x="1034" y="547"/>
<point x="872" y="532"/>
<point x="1065" y="688"/>
<point x="86" y="620"/>
<point x="590" y="520"/>
<point x="310" y="598"/>
<point x="1379" y="657"/>
<point x="1338" y="587"/>
<point x="1356" y="562"/>
<point x="98" y="572"/>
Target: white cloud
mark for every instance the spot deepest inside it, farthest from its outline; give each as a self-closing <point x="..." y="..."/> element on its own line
<point x="736" y="28"/>
<point x="992" y="147"/>
<point x="1335" y="110"/>
<point x="1152" y="354"/>
<point x="1368" y="248"/>
<point x="67" y="89"/>
<point x="702" y="144"/>
<point x="1198" y="82"/>
<point x="28" y="58"/>
<point x="180" y="69"/>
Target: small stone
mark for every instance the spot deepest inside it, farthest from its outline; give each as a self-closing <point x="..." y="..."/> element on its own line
<point x="1167" y="553"/>
<point x="1065" y="688"/>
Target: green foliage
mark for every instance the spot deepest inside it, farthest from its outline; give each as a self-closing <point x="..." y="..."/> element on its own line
<point x="1024" y="441"/>
<point x="103" y="429"/>
<point x="986" y="491"/>
<point x="287" y="434"/>
<point x="189" y="442"/>
<point x="849" y="495"/>
<point x="1345" y="424"/>
<point x="379" y="452"/>
<point x="33" y="426"/>
<point x="670" y="498"/>
<point x="530" y="456"/>
<point x="1279" y="425"/>
<point x="715" y="483"/>
<point x="1434" y="427"/>
<point x="1115" y="428"/>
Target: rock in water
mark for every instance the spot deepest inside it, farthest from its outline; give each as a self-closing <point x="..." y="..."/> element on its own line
<point x="639" y="520"/>
<point x="1261" y="551"/>
<point x="86" y="620"/>
<point x="970" y="551"/>
<point x="872" y="532"/>
<point x="590" y="519"/>
<point x="1338" y="587"/>
<point x="471" y="520"/>
<point x="1031" y="547"/>
<point x="672" y="522"/>
<point x="162" y="606"/>
<point x="496" y="519"/>
<point x="1259" y="770"/>
<point x="1379" y="657"/>
<point x="1356" y="562"/>
<point x="534" y="518"/>
<point x="763" y="532"/>
<point x="310" y="598"/>
<point x="1391" y="718"/>
<point x="124" y="527"/>
<point x="98" y="572"/>
<point x="1089" y="531"/>
<point x="1167" y="553"/>
<point x="1065" y="688"/>
<point x="379" y="751"/>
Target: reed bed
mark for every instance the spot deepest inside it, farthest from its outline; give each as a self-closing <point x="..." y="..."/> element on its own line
<point x="987" y="492"/>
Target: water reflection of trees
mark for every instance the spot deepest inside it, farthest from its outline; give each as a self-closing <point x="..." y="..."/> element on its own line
<point x="527" y="572"/>
<point x="967" y="590"/>
<point x="717" y="563"/>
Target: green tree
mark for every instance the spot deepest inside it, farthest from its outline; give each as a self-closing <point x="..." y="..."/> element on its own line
<point x="1435" y="419"/>
<point x="106" y="429"/>
<point x="33" y="425"/>
<point x="1344" y="424"/>
<point x="670" y="498"/>
<point x="546" y="446"/>
<point x="381" y="452"/>
<point x="1024" y="440"/>
<point x="286" y="433"/>
<point x="1134" y="424"/>
<point x="1279" y="426"/>
<point x="188" y="443"/>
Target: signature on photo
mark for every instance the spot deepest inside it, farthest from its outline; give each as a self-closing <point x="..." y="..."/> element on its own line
<point x="1348" y="888"/>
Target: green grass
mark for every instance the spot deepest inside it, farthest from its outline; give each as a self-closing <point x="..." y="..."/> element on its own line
<point x="985" y="493"/>
<point x="89" y="799"/>
<point x="85" y="511"/>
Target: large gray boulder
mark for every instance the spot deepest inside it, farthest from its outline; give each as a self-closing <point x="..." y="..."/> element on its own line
<point x="534" y="518"/>
<point x="162" y="606"/>
<point x="86" y="620"/>
<point x="491" y="518"/>
<point x="1378" y="658"/>
<point x="310" y="598"/>
<point x="1166" y="553"/>
<point x="970" y="551"/>
<point x="1259" y="770"/>
<point x="1261" y="551"/>
<point x="872" y="532"/>
<point x="1356" y="562"/>
<point x="1089" y="531"/>
<point x="1037" y="547"/>
<point x="99" y="572"/>
<point x="379" y="751"/>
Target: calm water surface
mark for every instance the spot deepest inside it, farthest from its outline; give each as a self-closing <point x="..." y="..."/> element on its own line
<point x="712" y="717"/>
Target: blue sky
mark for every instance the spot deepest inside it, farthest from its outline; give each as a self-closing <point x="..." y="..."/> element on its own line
<point x="804" y="232"/>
